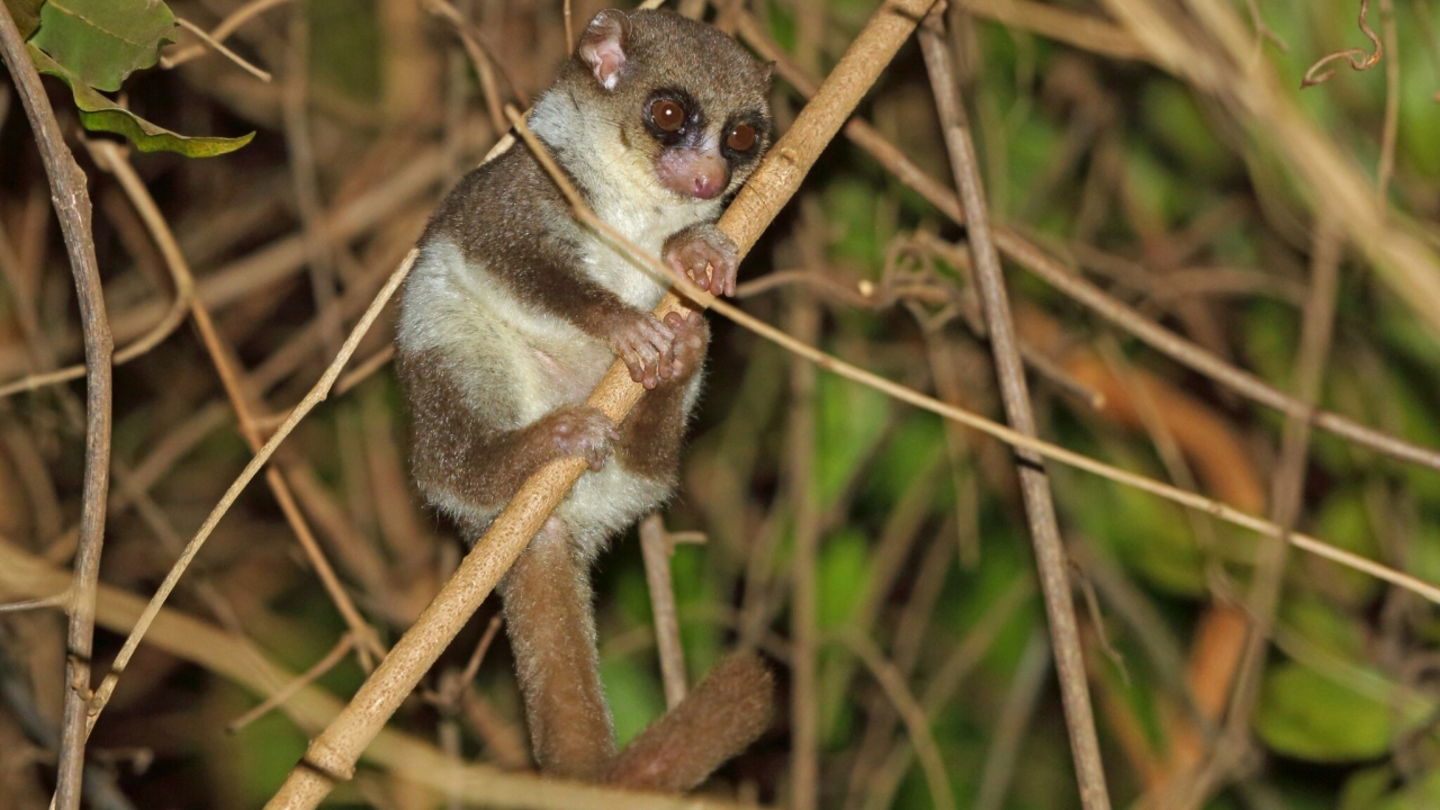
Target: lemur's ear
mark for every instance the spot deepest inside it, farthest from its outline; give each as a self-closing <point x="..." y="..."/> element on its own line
<point x="602" y="46"/>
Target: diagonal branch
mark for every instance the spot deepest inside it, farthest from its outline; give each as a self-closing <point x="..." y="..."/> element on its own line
<point x="1050" y="557"/>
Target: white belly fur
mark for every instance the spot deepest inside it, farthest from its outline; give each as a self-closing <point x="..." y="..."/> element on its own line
<point x="501" y="347"/>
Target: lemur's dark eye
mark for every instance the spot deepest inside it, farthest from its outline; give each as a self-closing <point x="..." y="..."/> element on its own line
<point x="742" y="138"/>
<point x="668" y="115"/>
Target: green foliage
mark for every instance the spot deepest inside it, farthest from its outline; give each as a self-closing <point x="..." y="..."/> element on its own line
<point x="26" y="14"/>
<point x="261" y="754"/>
<point x="851" y="421"/>
<point x="842" y="577"/>
<point x="1322" y="625"/>
<point x="694" y="582"/>
<point x="1344" y="521"/>
<point x="633" y="689"/>
<point x="100" y="42"/>
<point x="1151" y="536"/>
<point x="100" y="114"/>
<point x="1170" y="110"/>
<point x="1310" y="716"/>
<point x="1381" y="788"/>
<point x="92" y="45"/>
<point x="346" y="47"/>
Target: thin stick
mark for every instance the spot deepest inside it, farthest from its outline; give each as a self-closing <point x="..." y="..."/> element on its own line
<point x="1016" y="712"/>
<point x="484" y="61"/>
<point x="332" y="755"/>
<point x="1285" y="504"/>
<point x="804" y="317"/>
<point x="478" y="655"/>
<point x="240" y="61"/>
<point x="172" y="318"/>
<point x="62" y="598"/>
<point x="71" y="200"/>
<point x="221" y="32"/>
<point x="912" y="714"/>
<point x="655" y="550"/>
<point x="288" y="691"/>
<point x="1391" y="127"/>
<point x="1050" y="559"/>
<point x="316" y="395"/>
<point x="569" y="29"/>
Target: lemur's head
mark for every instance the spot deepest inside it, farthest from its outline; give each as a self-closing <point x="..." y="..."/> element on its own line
<point x="661" y="95"/>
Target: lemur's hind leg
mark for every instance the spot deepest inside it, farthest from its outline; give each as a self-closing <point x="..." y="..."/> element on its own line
<point x="551" y="624"/>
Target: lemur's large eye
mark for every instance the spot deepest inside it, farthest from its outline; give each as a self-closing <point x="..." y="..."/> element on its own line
<point x="741" y="138"/>
<point x="668" y="115"/>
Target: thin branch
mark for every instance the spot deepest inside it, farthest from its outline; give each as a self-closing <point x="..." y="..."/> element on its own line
<point x="219" y="33"/>
<point x="963" y="659"/>
<point x="324" y="665"/>
<point x="1391" y="127"/>
<point x="240" y="61"/>
<point x="1285" y="502"/>
<point x="482" y="59"/>
<point x="1026" y="686"/>
<point x="1050" y="559"/>
<point x="57" y="600"/>
<point x="917" y="725"/>
<point x="172" y="318"/>
<point x="655" y="549"/>
<point x="800" y="489"/>
<point x="71" y="200"/>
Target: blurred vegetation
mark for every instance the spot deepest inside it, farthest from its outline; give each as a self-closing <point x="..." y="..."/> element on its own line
<point x="1161" y="191"/>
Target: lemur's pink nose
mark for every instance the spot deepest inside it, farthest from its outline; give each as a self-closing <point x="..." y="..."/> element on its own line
<point x="693" y="173"/>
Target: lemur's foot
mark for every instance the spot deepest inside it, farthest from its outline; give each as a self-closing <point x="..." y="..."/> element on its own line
<point x="647" y="347"/>
<point x="692" y="335"/>
<point x="580" y="430"/>
<point x="704" y="255"/>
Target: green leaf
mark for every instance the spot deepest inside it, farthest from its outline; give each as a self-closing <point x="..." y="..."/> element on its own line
<point x="634" y="695"/>
<point x="100" y="114"/>
<point x="843" y="577"/>
<point x="103" y="41"/>
<point x="1306" y="715"/>
<point x="852" y="419"/>
<point x="26" y="14"/>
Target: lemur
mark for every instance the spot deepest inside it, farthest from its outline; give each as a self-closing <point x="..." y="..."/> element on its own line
<point x="514" y="311"/>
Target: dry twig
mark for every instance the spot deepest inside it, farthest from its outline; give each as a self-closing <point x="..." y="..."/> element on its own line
<point x="1050" y="558"/>
<point x="72" y="206"/>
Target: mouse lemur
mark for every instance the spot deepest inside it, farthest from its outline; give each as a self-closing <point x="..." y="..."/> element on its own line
<point x="514" y="311"/>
